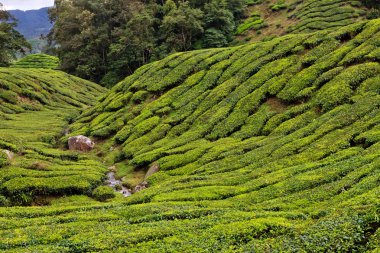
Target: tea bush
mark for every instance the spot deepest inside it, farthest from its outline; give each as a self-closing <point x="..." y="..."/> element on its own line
<point x="103" y="193"/>
<point x="268" y="147"/>
<point x="43" y="61"/>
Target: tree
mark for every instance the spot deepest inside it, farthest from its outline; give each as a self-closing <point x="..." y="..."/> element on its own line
<point x="81" y="36"/>
<point x="100" y="40"/>
<point x="11" y="41"/>
<point x="181" y="25"/>
<point x="372" y="3"/>
<point x="106" y="40"/>
<point x="133" y="48"/>
<point x="237" y="7"/>
<point x="219" y="24"/>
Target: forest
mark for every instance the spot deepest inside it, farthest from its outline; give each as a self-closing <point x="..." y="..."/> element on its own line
<point x="106" y="40"/>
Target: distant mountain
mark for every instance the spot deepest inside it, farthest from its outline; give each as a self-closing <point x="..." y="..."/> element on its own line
<point x="32" y="23"/>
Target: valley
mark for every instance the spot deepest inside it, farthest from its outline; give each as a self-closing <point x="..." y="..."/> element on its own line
<point x="265" y="146"/>
<point x="271" y="145"/>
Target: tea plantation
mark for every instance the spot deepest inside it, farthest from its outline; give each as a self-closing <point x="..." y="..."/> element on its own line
<point x="326" y="14"/>
<point x="267" y="147"/>
<point x="37" y="61"/>
<point x="279" y="17"/>
<point x="271" y="146"/>
<point x="35" y="107"/>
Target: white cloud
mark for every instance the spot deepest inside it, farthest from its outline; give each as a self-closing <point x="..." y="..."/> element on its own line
<point x="26" y="4"/>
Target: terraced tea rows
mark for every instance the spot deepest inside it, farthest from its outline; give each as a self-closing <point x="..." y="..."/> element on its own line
<point x="267" y="147"/>
<point x="35" y="108"/>
<point x="326" y="14"/>
<point x="274" y="18"/>
<point x="37" y="61"/>
<point x="33" y="89"/>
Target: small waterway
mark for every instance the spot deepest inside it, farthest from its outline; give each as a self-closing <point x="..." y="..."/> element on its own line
<point x="117" y="184"/>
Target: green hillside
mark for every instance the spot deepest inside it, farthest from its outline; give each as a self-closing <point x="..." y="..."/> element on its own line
<point x="35" y="108"/>
<point x="37" y="61"/>
<point x="279" y="17"/>
<point x="267" y="147"/>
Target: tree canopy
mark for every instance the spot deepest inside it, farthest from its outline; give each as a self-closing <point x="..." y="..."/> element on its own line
<point x="104" y="41"/>
<point x="11" y="41"/>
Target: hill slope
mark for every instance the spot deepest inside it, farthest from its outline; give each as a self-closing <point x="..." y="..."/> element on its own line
<point x="268" y="147"/>
<point x="272" y="90"/>
<point x="37" y="61"/>
<point x="35" y="107"/>
<point x="279" y="17"/>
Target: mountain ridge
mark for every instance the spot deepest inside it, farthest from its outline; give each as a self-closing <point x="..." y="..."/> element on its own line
<point x="32" y="23"/>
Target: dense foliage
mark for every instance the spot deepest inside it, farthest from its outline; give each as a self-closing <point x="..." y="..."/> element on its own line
<point x="11" y="41"/>
<point x="326" y="14"/>
<point x="106" y="40"/>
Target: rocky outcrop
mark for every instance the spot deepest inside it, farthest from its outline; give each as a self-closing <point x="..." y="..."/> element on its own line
<point x="152" y="170"/>
<point x="81" y="143"/>
<point x="6" y="157"/>
<point x="140" y="187"/>
<point x="10" y="155"/>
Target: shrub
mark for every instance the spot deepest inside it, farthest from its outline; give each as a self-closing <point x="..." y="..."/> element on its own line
<point x="267" y="147"/>
<point x="280" y="5"/>
<point x="4" y="201"/>
<point x="373" y="14"/>
<point x="103" y="193"/>
<point x="3" y="159"/>
<point x="252" y="23"/>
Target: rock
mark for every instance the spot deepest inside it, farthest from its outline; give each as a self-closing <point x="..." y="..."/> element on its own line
<point x="81" y="143"/>
<point x="6" y="157"/>
<point x="10" y="155"/>
<point x="112" y="169"/>
<point x="140" y="187"/>
<point x="152" y="170"/>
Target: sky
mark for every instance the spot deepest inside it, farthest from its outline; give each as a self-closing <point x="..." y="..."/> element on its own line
<point x="26" y="4"/>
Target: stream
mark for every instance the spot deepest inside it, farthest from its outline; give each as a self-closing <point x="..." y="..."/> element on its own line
<point x="114" y="183"/>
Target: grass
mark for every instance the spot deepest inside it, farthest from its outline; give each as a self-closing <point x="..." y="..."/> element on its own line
<point x="267" y="147"/>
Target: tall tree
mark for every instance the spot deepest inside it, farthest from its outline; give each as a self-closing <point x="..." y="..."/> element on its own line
<point x="11" y="41"/>
<point x="89" y="35"/>
<point x="237" y="7"/>
<point x="134" y="46"/>
<point x="219" y="24"/>
<point x="181" y="25"/>
<point x="105" y="40"/>
<point x="81" y="32"/>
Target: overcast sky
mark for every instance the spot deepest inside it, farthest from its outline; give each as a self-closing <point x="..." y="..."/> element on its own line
<point x="26" y="4"/>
